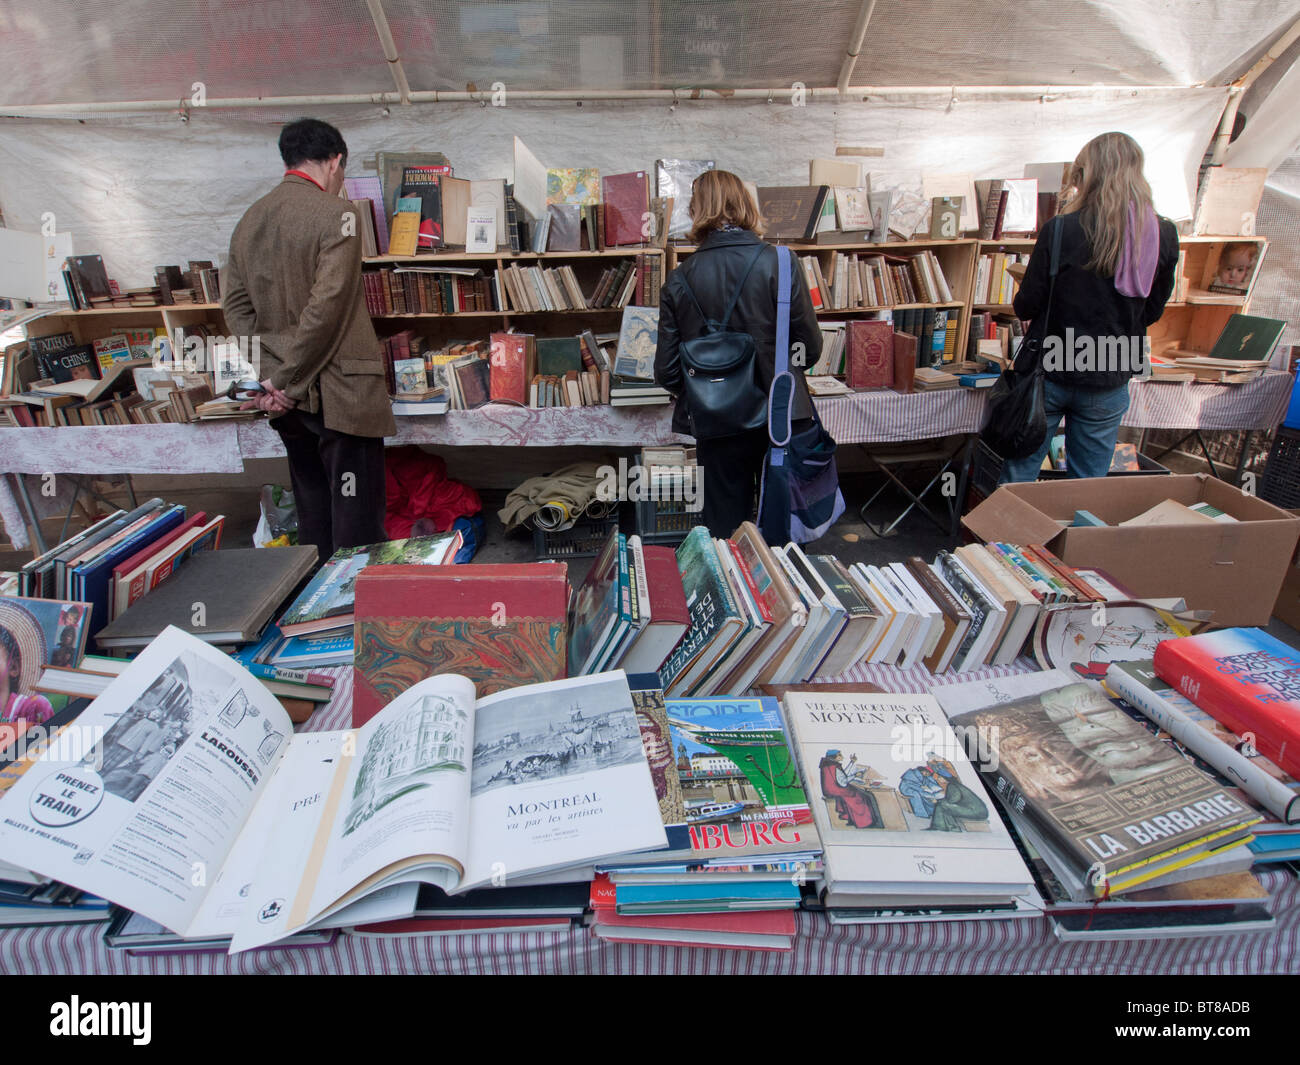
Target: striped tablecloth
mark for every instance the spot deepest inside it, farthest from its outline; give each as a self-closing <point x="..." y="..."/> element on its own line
<point x="1013" y="945"/>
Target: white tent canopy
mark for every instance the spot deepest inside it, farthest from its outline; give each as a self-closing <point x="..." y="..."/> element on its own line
<point x="973" y="87"/>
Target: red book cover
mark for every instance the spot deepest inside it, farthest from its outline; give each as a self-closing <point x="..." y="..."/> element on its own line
<point x="152" y="549"/>
<point x="511" y="368"/>
<point x="626" y="198"/>
<point x="666" y="590"/>
<point x="499" y="625"/>
<point x="1244" y="679"/>
<point x="761" y="922"/>
<point x="904" y="362"/>
<point x="870" y="355"/>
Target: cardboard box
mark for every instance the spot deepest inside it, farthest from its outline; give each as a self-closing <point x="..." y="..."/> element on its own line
<point x="1287" y="607"/>
<point x="1233" y="568"/>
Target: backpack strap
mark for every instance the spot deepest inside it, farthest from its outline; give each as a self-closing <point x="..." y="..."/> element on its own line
<point x="734" y="299"/>
<point x="780" y="398"/>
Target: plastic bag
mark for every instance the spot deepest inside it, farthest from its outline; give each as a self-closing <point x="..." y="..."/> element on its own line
<point x="277" y="526"/>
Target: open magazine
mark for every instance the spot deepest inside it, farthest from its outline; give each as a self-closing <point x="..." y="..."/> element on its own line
<point x="198" y="808"/>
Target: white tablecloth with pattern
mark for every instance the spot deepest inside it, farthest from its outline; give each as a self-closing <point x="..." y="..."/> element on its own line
<point x="1013" y="945"/>
<point x="865" y="417"/>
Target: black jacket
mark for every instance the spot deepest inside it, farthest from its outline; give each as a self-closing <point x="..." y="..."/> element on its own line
<point x="1090" y="304"/>
<point x="713" y="272"/>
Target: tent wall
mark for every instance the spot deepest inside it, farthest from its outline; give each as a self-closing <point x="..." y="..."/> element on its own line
<point x="149" y="190"/>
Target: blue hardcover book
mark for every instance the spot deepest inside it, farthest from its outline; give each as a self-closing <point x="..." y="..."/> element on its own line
<point x="91" y="580"/>
<point x="331" y="649"/>
<point x="977" y="380"/>
<point x="709" y="895"/>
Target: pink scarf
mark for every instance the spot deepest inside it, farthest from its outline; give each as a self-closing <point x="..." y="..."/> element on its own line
<point x="1136" y="269"/>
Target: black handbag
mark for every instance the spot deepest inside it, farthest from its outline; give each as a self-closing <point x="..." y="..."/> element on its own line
<point x="720" y="382"/>
<point x="1017" y="412"/>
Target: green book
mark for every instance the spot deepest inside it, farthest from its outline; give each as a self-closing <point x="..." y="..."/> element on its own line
<point x="327" y="602"/>
<point x="556" y="356"/>
<point x="715" y="618"/>
<point x="1247" y="338"/>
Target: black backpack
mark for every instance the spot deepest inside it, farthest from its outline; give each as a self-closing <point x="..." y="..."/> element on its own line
<point x="722" y="389"/>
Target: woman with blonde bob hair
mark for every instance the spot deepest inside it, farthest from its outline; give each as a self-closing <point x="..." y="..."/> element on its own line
<point x="1117" y="265"/>
<point x="732" y="268"/>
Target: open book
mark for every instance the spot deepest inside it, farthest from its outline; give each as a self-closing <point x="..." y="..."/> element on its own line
<point x="194" y="804"/>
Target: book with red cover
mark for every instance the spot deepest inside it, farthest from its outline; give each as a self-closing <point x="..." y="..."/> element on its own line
<point x="499" y="625"/>
<point x="149" y="550"/>
<point x="1087" y="593"/>
<point x="1244" y="679"/>
<point x="669" y="616"/>
<point x="869" y="358"/>
<point x="626" y="198"/>
<point x="904" y="362"/>
<point x="514" y="363"/>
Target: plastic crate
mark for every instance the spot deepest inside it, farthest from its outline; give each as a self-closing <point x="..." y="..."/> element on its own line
<point x="666" y="521"/>
<point x="986" y="470"/>
<point x="1280" y="484"/>
<point x="583" y="540"/>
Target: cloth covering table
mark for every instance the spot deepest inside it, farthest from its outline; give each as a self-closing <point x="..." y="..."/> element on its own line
<point x="862" y="418"/>
<point x="1014" y="945"/>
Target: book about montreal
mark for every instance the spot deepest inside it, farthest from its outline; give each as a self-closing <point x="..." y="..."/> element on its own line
<point x="231" y="825"/>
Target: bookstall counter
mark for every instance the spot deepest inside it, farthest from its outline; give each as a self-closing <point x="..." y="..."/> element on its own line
<point x="865" y="417"/>
<point x="1012" y="945"/>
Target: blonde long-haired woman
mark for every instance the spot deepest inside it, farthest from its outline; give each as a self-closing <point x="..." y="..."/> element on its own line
<point x="1117" y="267"/>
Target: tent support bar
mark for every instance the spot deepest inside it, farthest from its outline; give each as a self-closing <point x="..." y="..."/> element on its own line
<point x="855" y="45"/>
<point x="1239" y="87"/>
<point x="390" y="49"/>
<point x="863" y="93"/>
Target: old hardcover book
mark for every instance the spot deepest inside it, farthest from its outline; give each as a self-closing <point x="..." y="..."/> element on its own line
<point x="239" y="590"/>
<point x="513" y="365"/>
<point x="499" y="625"/>
<point x="472" y="382"/>
<point x="456" y="195"/>
<point x="565" y="232"/>
<point x="626" y="198"/>
<point x="792" y="212"/>
<point x="905" y="346"/>
<point x="869" y="362"/>
<point x="1117" y="802"/>
<point x="556" y="356"/>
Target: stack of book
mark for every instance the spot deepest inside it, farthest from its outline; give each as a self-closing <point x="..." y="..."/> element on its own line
<point x="993" y="283"/>
<point x="1159" y="847"/>
<point x="406" y="290"/>
<point x="860" y="280"/>
<point x="1221" y="751"/>
<point x="741" y="839"/>
<point x="445" y="785"/>
<point x="630" y="612"/>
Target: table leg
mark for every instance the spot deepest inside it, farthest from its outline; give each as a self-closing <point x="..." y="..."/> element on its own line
<point x="1242" y="455"/>
<point x="25" y="501"/>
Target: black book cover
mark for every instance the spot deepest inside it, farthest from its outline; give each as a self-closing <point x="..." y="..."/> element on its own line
<point x="426" y="184"/>
<point x="73" y="364"/>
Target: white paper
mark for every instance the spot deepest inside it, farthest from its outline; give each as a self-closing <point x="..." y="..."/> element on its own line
<point x="149" y="815"/>
<point x="530" y="181"/>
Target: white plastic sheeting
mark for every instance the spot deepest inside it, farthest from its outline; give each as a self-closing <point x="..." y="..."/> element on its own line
<point x="71" y="51"/>
<point x="151" y="190"/>
<point x="1277" y="290"/>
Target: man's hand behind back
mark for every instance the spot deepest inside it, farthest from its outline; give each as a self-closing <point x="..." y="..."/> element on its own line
<point x="272" y="400"/>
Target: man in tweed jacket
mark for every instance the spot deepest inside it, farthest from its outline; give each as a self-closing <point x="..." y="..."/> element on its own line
<point x="294" y="280"/>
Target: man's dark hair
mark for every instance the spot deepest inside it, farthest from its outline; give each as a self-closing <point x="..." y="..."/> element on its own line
<point x="310" y="140"/>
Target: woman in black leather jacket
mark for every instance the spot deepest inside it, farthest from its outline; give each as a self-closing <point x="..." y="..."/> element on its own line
<point x="727" y="228"/>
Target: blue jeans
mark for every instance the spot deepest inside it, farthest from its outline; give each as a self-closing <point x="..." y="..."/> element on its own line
<point x="1092" y="420"/>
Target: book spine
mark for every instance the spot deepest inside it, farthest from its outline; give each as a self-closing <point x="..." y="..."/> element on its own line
<point x="1271" y="727"/>
<point x="1042" y="589"/>
<point x="263" y="671"/>
<point x="1083" y="590"/>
